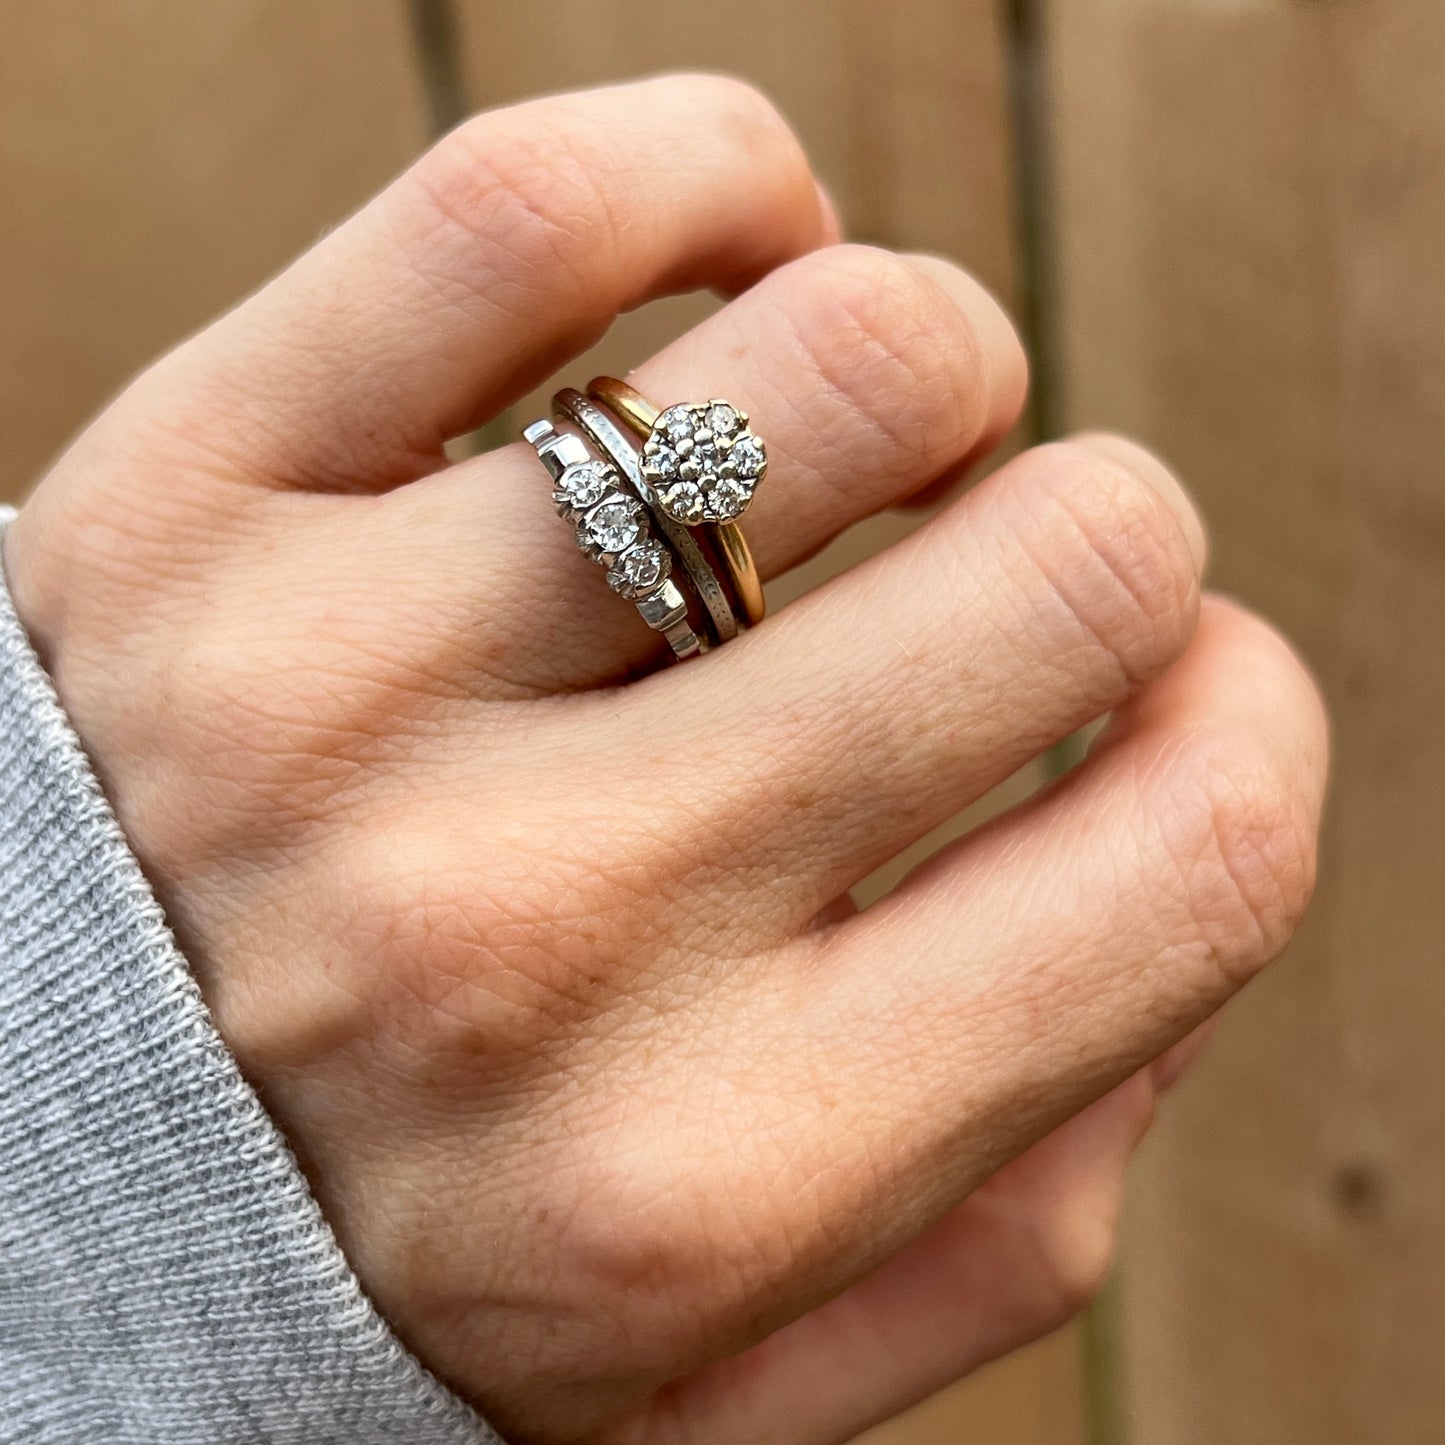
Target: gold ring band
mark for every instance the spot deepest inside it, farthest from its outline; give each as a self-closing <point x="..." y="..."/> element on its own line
<point x="729" y="547"/>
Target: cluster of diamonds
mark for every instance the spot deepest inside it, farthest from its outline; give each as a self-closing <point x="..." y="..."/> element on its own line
<point x="612" y="528"/>
<point x="703" y="462"/>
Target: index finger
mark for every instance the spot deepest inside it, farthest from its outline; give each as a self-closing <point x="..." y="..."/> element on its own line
<point x="507" y="248"/>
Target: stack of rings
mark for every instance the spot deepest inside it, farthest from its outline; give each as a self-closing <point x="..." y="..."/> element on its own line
<point x="654" y="496"/>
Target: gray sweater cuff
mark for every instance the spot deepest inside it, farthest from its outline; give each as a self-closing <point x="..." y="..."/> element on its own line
<point x="165" y="1276"/>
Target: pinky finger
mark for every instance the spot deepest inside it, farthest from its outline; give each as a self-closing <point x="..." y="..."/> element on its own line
<point x="1019" y="1257"/>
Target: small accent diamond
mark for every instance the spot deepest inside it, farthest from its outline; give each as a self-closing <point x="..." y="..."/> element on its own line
<point x="721" y="418"/>
<point x="728" y="496"/>
<point x="640" y="569"/>
<point x="583" y="485"/>
<point x="747" y="456"/>
<point x="684" y="500"/>
<point x="612" y="526"/>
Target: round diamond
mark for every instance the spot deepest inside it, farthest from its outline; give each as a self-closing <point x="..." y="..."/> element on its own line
<point x="721" y="418"/>
<point x="747" y="456"/>
<point x="640" y="569"/>
<point x="727" y="497"/>
<point x="703" y="462"/>
<point x="584" y="484"/>
<point x="613" y="526"/>
<point x="683" y="500"/>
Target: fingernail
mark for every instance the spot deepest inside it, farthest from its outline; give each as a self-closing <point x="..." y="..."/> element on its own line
<point x="830" y="218"/>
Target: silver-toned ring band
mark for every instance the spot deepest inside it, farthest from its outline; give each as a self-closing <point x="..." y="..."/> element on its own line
<point x="661" y="604"/>
<point x="623" y="452"/>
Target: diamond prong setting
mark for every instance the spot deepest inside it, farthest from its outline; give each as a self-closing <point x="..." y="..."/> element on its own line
<point x="583" y="485"/>
<point x="607" y="530"/>
<point x="703" y="462"/>
<point x="640" y="570"/>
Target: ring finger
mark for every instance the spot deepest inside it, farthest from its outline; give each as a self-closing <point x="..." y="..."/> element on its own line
<point x="869" y="374"/>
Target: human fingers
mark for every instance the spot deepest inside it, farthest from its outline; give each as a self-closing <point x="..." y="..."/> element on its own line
<point x="1021" y="1255"/>
<point x="888" y="700"/>
<point x="888" y="1066"/>
<point x="511" y="245"/>
<point x="867" y="372"/>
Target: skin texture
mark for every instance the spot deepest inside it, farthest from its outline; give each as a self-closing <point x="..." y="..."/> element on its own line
<point x="539" y="950"/>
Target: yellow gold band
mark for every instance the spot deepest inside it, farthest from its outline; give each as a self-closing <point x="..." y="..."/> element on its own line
<point x="729" y="547"/>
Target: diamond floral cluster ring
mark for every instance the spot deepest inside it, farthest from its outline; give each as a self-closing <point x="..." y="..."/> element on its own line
<point x="704" y="462"/>
<point x="654" y="497"/>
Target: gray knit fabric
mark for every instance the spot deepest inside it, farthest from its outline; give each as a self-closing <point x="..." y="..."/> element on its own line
<point x="165" y="1276"/>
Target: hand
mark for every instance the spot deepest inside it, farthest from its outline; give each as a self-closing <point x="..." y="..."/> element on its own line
<point x="534" y="946"/>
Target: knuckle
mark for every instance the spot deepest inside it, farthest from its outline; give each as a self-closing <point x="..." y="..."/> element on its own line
<point x="234" y="686"/>
<point x="749" y="114"/>
<point x="1067" y="1247"/>
<point x="189" y="714"/>
<point x="423" y="907"/>
<point x="96" y="554"/>
<point x="1246" y="847"/>
<point x="1079" y="1266"/>
<point x="895" y="350"/>
<point x="481" y="949"/>
<point x="277" y="732"/>
<point x="1109" y="549"/>
<point x="666" y="1258"/>
<point x="703" y="1256"/>
<point x="531" y="192"/>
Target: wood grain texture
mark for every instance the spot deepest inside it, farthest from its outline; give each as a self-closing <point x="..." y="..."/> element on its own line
<point x="905" y="113"/>
<point x="158" y="160"/>
<point x="1031" y="1398"/>
<point x="1251" y="198"/>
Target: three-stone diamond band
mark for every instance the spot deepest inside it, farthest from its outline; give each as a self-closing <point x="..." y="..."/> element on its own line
<point x="613" y="529"/>
<point x="653" y="497"/>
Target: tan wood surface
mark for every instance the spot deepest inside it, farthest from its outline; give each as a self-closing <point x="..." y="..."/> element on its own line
<point x="157" y="161"/>
<point x="1250" y="205"/>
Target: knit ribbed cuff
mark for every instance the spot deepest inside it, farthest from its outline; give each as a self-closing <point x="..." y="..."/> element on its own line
<point x="166" y="1277"/>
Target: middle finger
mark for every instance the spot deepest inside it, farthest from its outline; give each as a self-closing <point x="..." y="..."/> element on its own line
<point x="892" y="698"/>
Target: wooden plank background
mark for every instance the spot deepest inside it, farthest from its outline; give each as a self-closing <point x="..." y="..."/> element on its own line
<point x="1251" y="205"/>
<point x="1234" y="219"/>
<point x="159" y="159"/>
